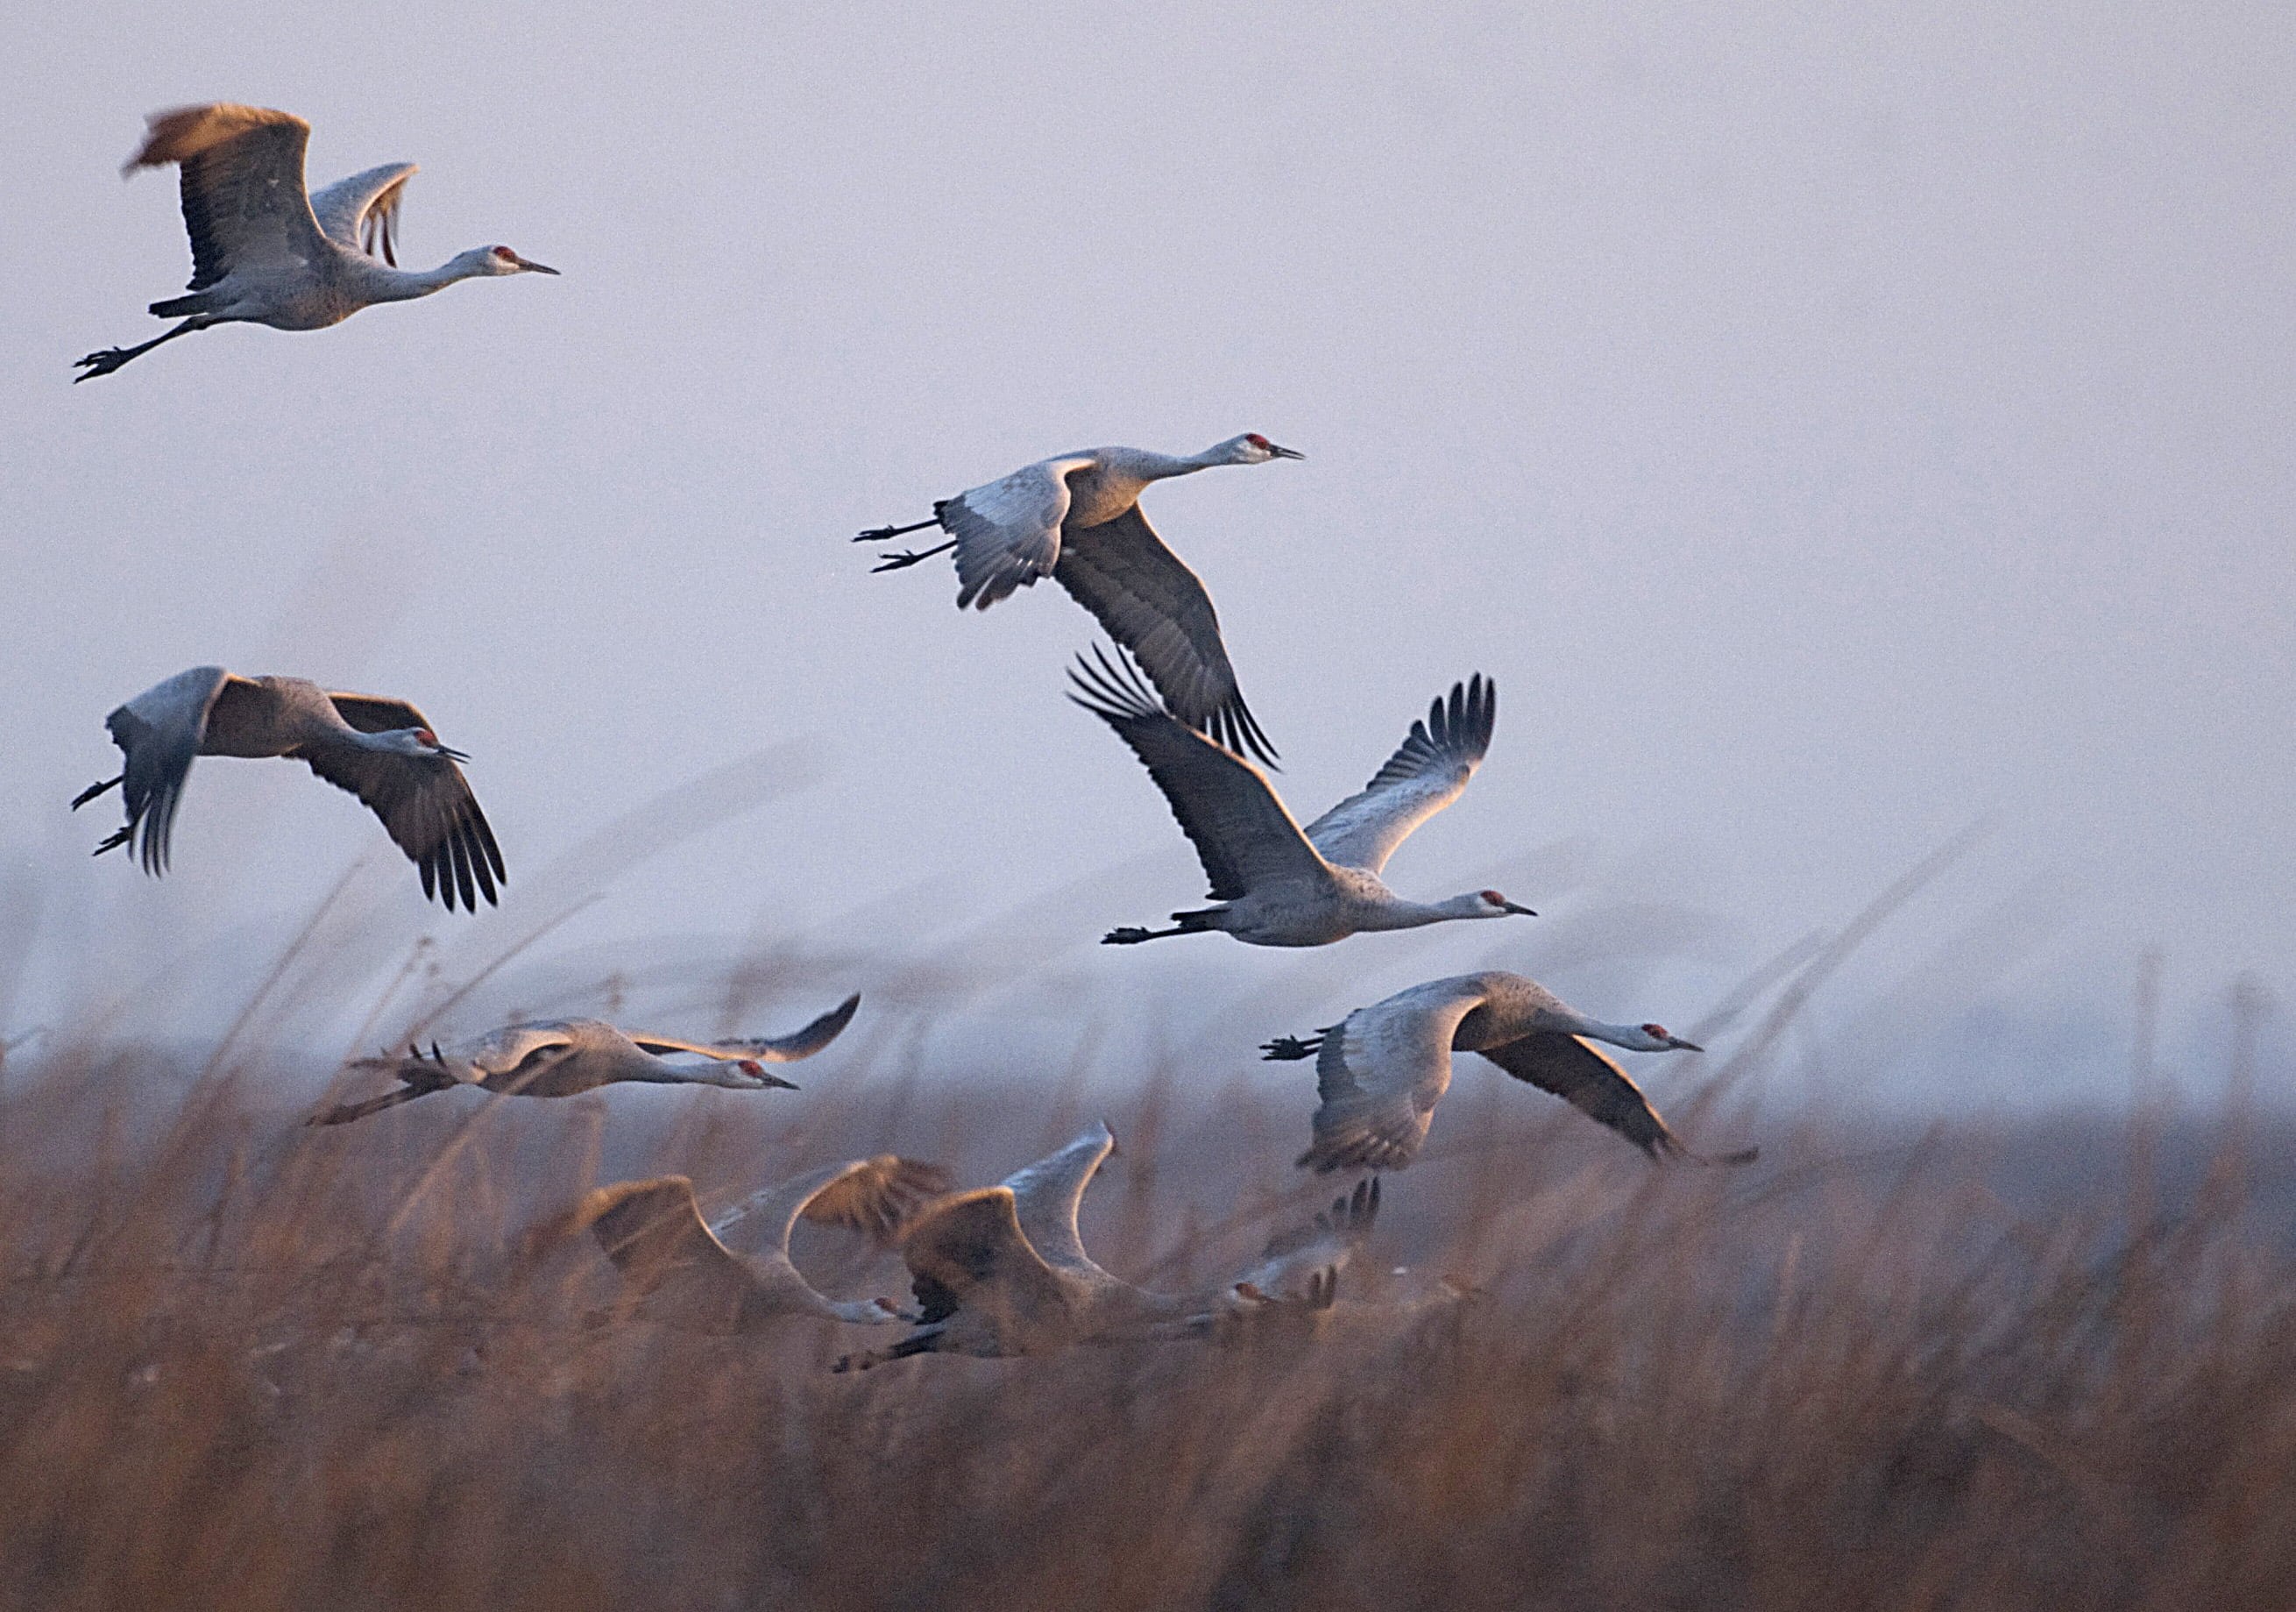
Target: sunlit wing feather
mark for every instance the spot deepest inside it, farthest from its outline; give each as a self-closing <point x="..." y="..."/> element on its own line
<point x="875" y="1196"/>
<point x="1425" y="774"/>
<point x="158" y="732"/>
<point x="361" y="213"/>
<point x="245" y="205"/>
<point x="1047" y="1193"/>
<point x="1008" y="532"/>
<point x="1379" y="1075"/>
<point x="789" y="1048"/>
<point x="1150" y="603"/>
<point x="1242" y="834"/>
<point x="969" y="1252"/>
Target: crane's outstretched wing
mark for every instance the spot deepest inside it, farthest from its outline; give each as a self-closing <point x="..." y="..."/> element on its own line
<point x="789" y="1048"/>
<point x="1584" y="1075"/>
<point x="160" y="731"/>
<point x="244" y="206"/>
<point x="1045" y="1196"/>
<point x="424" y="802"/>
<point x="969" y="1253"/>
<point x="1008" y="532"/>
<point x="1425" y="774"/>
<point x="1295" y="1260"/>
<point x="674" y="1266"/>
<point x="361" y="213"/>
<point x="875" y="1196"/>
<point x="1156" y="607"/>
<point x="1381" y="1072"/>
<point x="1242" y="833"/>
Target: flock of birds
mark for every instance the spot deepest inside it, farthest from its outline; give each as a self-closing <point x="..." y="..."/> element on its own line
<point x="997" y="1270"/>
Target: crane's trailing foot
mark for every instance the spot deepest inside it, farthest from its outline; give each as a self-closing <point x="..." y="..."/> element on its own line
<point x="1131" y="934"/>
<point x="909" y="556"/>
<point x="886" y="534"/>
<point x="118" y="838"/>
<point x="93" y="790"/>
<point x="1292" y="1049"/>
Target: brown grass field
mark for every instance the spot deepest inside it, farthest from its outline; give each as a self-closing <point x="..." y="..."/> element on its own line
<point x="251" y="1365"/>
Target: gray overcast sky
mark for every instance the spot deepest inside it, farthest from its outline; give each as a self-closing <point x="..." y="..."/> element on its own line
<point x="1828" y="427"/>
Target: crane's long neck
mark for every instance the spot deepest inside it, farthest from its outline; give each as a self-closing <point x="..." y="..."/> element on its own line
<point x="383" y="283"/>
<point x="1395" y="912"/>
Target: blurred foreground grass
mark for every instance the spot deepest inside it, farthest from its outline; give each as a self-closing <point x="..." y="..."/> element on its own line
<point x="245" y="1364"/>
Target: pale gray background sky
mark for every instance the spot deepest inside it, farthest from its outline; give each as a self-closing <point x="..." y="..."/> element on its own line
<point x="1827" y="427"/>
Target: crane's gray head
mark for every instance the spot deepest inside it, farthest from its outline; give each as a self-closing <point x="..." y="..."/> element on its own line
<point x="758" y="1079"/>
<point x="1660" y="1040"/>
<point x="500" y="261"/>
<point x="415" y="742"/>
<point x="1252" y="448"/>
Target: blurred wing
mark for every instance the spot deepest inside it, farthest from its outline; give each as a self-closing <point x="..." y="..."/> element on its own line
<point x="875" y="1196"/>
<point x="507" y="1048"/>
<point x="1047" y="1195"/>
<point x="159" y="731"/>
<point x="1584" y="1076"/>
<point x="243" y="187"/>
<point x="652" y="1231"/>
<point x="765" y="1049"/>
<point x="1008" y="533"/>
<point x="1381" y="1073"/>
<point x="969" y="1252"/>
<point x="361" y="213"/>
<point x="1156" y="607"/>
<point x="1242" y="833"/>
<point x="1426" y="774"/>
<point x="1296" y="1258"/>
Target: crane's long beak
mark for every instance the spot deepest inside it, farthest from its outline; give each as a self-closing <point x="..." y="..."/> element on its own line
<point x="449" y="753"/>
<point x="1517" y="907"/>
<point x="1285" y="453"/>
<point x="1678" y="1044"/>
<point x="533" y="267"/>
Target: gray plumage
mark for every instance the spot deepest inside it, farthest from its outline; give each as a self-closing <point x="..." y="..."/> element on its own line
<point x="678" y="1270"/>
<point x="1381" y="1071"/>
<point x="1003" y="1270"/>
<point x="564" y="1058"/>
<point x="1076" y="518"/>
<point x="1280" y="885"/>
<point x="380" y="750"/>
<point x="265" y="252"/>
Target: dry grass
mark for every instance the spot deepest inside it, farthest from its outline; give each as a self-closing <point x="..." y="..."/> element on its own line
<point x="250" y="1365"/>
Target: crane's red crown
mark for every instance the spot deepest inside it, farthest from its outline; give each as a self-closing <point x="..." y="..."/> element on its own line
<point x="1493" y="897"/>
<point x="423" y="736"/>
<point x="1656" y="1033"/>
<point x="749" y="1065"/>
<point x="505" y="254"/>
<point x="1257" y="440"/>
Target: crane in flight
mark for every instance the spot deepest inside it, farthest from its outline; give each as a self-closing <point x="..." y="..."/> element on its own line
<point x="1277" y="883"/>
<point x="1077" y="519"/>
<point x="564" y="1058"/>
<point x="678" y="1270"/>
<point x="265" y="252"/>
<point x="1003" y="1270"/>
<point x="380" y="750"/>
<point x="1381" y="1071"/>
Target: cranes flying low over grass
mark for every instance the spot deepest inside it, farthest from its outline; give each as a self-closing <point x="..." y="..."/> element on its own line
<point x="1277" y="883"/>
<point x="265" y="252"/>
<point x="1002" y="1270"/>
<point x="1077" y="519"/>
<point x="563" y="1057"/>
<point x="680" y="1271"/>
<point x="1381" y="1070"/>
<point x="381" y="750"/>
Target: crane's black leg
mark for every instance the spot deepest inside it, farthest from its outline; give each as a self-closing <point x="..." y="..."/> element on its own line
<point x="119" y="837"/>
<point x="93" y="790"/>
<point x="112" y="357"/>
<point x="886" y="534"/>
<point x="907" y="557"/>
<point x="1292" y="1049"/>
<point x="1132" y="935"/>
